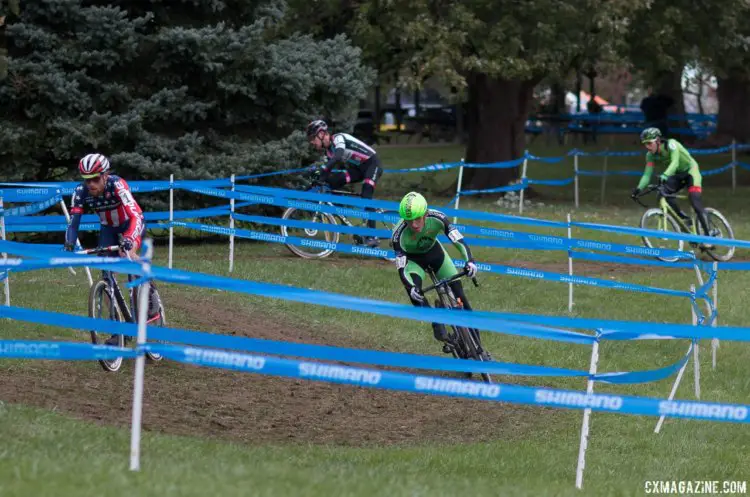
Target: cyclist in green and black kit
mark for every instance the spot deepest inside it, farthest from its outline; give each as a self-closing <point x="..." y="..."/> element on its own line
<point x="416" y="246"/>
<point x="681" y="170"/>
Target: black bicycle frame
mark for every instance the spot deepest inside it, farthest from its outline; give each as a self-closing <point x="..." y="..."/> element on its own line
<point x="116" y="292"/>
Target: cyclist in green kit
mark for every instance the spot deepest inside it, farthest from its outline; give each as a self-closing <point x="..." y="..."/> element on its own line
<point x="416" y="246"/>
<point x="680" y="171"/>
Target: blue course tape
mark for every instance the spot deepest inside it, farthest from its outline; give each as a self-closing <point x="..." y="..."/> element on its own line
<point x="734" y="266"/>
<point x="502" y="322"/>
<point x="718" y="170"/>
<point x="324" y="352"/>
<point x="32" y="349"/>
<point x="27" y="210"/>
<point x="564" y="243"/>
<point x="82" y="351"/>
<point x="663" y="234"/>
<point x="107" y="263"/>
<point x="547" y="397"/>
<point x="28" y="194"/>
<point x="549" y="160"/>
<point x="221" y="210"/>
<point x="33" y="228"/>
<point x="551" y="182"/>
<point x="430" y="167"/>
<point x="281" y="198"/>
<point x="508" y="188"/>
<point x="603" y="153"/>
<point x="576" y="280"/>
<point x="495" y="165"/>
<point x="588" y="256"/>
<point x="583" y="172"/>
<point x="381" y="253"/>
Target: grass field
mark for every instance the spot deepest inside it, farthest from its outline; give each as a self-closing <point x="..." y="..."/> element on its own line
<point x="64" y="425"/>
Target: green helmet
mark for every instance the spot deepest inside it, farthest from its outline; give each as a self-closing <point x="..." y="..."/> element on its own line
<point x="413" y="206"/>
<point x="650" y="134"/>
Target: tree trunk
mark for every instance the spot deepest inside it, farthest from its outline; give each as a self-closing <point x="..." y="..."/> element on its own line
<point x="669" y="83"/>
<point x="496" y="123"/>
<point x="734" y="106"/>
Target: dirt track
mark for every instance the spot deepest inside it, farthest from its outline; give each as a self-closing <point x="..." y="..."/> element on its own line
<point x="189" y="400"/>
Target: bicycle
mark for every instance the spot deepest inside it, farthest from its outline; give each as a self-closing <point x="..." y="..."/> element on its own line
<point x="462" y="343"/>
<point x="105" y="298"/>
<point x="313" y="247"/>
<point x="667" y="219"/>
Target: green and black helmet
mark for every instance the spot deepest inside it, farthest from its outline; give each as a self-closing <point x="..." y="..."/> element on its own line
<point x="649" y="135"/>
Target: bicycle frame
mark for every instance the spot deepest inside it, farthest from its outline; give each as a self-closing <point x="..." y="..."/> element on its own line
<point x="668" y="210"/>
<point x="116" y="292"/>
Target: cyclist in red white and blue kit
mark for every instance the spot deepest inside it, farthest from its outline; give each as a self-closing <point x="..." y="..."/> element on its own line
<point x="110" y="197"/>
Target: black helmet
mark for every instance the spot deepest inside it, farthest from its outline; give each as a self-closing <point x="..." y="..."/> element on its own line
<point x="316" y="127"/>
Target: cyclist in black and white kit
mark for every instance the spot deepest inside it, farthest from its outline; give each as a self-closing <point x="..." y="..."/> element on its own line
<point x="360" y="163"/>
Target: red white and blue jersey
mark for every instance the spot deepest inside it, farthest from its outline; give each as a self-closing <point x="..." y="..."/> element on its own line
<point x="116" y="207"/>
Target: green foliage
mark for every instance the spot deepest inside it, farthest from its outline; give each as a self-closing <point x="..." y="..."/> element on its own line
<point x="196" y="88"/>
<point x="508" y="39"/>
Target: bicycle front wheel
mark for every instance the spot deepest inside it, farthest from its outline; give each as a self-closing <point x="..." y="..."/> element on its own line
<point x="154" y="320"/>
<point x="101" y="306"/>
<point x="654" y="219"/>
<point x="717" y="221"/>
<point x="315" y="243"/>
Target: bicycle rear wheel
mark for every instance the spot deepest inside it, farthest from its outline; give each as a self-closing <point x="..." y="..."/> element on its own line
<point x="716" y="220"/>
<point x="654" y="219"/>
<point x="101" y="306"/>
<point x="384" y="225"/>
<point x="316" y="243"/>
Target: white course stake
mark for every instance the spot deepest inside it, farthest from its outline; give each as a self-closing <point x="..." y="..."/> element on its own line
<point x="6" y="282"/>
<point x="570" y="268"/>
<point x="715" y="322"/>
<point x="140" y="361"/>
<point x="171" y="218"/>
<point x="586" y="417"/>
<point x="523" y="181"/>
<point x="677" y="380"/>
<point x="231" y="230"/>
<point x="458" y="188"/>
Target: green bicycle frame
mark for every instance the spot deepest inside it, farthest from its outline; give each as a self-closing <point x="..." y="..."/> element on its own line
<point x="667" y="209"/>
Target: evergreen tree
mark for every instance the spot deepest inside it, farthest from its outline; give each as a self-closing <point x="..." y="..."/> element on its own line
<point x="199" y="88"/>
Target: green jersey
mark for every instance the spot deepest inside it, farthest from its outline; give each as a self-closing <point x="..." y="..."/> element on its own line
<point x="406" y="241"/>
<point x="673" y="157"/>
